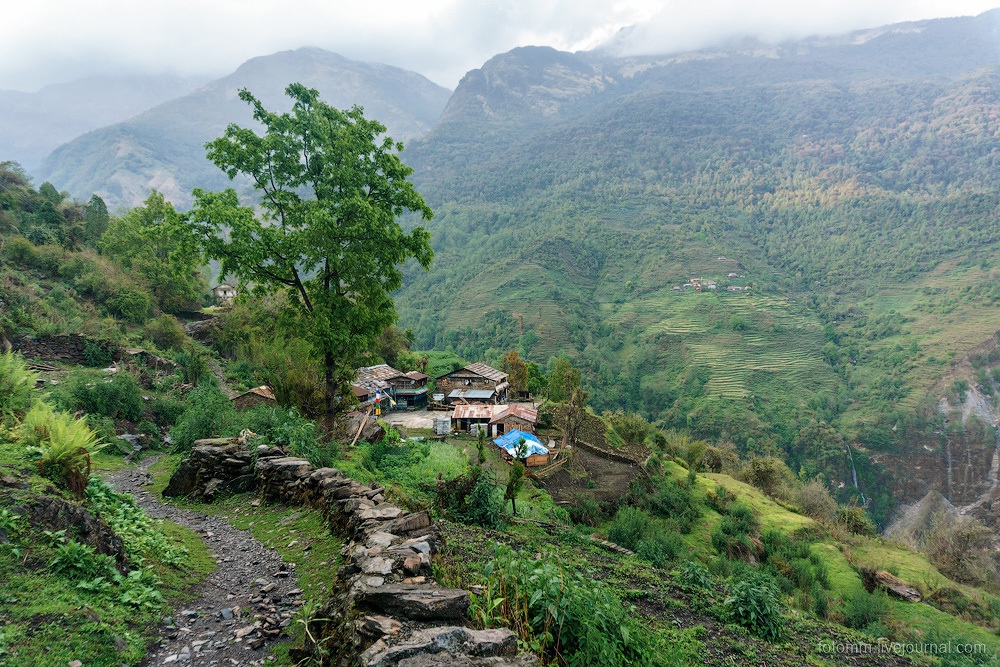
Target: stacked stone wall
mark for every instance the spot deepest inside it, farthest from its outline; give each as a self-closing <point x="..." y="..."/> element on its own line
<point x="385" y="608"/>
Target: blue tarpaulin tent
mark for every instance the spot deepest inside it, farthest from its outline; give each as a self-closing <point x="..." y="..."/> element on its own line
<point x="508" y="442"/>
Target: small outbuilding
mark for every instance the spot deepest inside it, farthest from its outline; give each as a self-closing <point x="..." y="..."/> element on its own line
<point x="257" y="396"/>
<point x="531" y="451"/>
<point x="522" y="417"/>
<point x="472" y="416"/>
<point x="224" y="294"/>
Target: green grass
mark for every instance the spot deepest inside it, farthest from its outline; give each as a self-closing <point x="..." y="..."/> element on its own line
<point x="46" y="620"/>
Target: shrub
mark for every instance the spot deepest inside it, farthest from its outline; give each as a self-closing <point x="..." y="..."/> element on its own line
<point x="731" y="537"/>
<point x="768" y="474"/>
<point x="821" y="603"/>
<point x="625" y="428"/>
<point x="118" y="397"/>
<point x="720" y="499"/>
<point x="862" y="608"/>
<point x="165" y="332"/>
<point x="96" y="354"/>
<point x="485" y="506"/>
<point x="962" y="550"/>
<point x="292" y="432"/>
<point x="696" y="575"/>
<point x="753" y="603"/>
<point x="167" y="410"/>
<point x="17" y="387"/>
<point x="660" y="546"/>
<point x="855" y="519"/>
<point x="567" y="617"/>
<point x="193" y="365"/>
<point x="474" y="498"/>
<point x="628" y="527"/>
<point x="209" y="414"/>
<point x="585" y="511"/>
<point x="130" y="304"/>
<point x="671" y="500"/>
<point x="20" y="251"/>
<point x="815" y="501"/>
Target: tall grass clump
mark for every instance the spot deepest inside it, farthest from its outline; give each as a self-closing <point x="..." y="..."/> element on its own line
<point x="866" y="610"/>
<point x="567" y="617"/>
<point x="17" y="385"/>
<point x="753" y="603"/>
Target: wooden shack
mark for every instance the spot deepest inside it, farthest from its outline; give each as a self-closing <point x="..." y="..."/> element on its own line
<point x="521" y="417"/>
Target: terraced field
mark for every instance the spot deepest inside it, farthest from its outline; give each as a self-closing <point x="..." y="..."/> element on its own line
<point x="749" y="341"/>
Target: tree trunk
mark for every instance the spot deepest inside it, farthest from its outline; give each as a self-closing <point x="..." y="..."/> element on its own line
<point x="331" y="392"/>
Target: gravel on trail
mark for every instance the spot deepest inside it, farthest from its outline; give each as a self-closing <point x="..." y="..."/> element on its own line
<point x="242" y="608"/>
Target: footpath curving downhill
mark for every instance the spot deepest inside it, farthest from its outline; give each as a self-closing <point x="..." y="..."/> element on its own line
<point x="385" y="609"/>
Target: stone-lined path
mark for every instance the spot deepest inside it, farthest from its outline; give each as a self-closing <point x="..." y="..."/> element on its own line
<point x="241" y="609"/>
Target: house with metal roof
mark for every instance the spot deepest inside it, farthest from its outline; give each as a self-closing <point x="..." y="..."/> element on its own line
<point x="522" y="417"/>
<point x="476" y="383"/>
<point x="406" y="390"/>
<point x="472" y="416"/>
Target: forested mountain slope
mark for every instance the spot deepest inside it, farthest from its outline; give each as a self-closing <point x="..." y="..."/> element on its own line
<point x="850" y="182"/>
<point x="164" y="148"/>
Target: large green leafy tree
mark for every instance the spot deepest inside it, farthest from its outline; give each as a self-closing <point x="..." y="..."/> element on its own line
<point x="326" y="232"/>
<point x="154" y="242"/>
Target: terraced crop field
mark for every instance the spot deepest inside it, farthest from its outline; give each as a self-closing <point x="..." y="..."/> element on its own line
<point x="749" y="341"/>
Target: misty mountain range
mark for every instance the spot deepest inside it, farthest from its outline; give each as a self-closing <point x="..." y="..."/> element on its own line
<point x="854" y="180"/>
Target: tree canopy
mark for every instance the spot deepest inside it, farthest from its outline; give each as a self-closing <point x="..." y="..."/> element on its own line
<point x="331" y="187"/>
<point x="153" y="241"/>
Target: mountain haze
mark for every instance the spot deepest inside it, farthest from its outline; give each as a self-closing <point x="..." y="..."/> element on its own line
<point x="33" y="124"/>
<point x="163" y="148"/>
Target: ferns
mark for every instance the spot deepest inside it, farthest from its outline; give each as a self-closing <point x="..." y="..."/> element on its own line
<point x="62" y="444"/>
<point x="17" y="385"/>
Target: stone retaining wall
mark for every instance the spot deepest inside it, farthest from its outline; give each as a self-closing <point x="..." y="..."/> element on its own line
<point x="61" y="347"/>
<point x="385" y="609"/>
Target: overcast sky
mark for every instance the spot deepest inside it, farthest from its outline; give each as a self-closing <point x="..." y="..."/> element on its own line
<point x="49" y="41"/>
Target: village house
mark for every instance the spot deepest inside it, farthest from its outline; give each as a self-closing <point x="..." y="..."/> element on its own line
<point x="517" y="444"/>
<point x="399" y="390"/>
<point x="224" y="294"/>
<point x="257" y="396"/>
<point x="476" y="383"/>
<point x="522" y="417"/>
<point x="473" y="416"/>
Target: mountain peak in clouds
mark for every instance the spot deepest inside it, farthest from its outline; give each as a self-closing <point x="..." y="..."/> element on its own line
<point x="667" y="34"/>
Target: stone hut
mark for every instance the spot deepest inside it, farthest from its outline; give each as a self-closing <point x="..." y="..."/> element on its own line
<point x="257" y="396"/>
<point x="224" y="294"/>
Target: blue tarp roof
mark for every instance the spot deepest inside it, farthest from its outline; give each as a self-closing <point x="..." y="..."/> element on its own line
<point x="508" y="441"/>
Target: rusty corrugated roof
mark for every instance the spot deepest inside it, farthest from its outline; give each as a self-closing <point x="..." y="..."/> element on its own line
<point x="525" y="412"/>
<point x="474" y="411"/>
